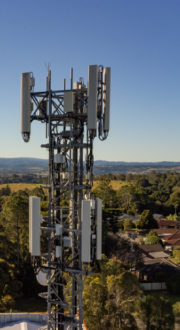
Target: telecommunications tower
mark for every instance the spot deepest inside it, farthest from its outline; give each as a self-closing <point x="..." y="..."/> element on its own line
<point x="73" y="118"/>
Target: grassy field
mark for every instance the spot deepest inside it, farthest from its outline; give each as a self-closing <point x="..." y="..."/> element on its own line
<point x="114" y="183"/>
<point x="20" y="186"/>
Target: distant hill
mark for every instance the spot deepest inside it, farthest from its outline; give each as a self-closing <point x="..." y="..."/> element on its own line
<point x="37" y="165"/>
<point x="23" y="164"/>
<point x="108" y="163"/>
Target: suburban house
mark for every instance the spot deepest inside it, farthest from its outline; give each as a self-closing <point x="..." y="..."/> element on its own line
<point x="129" y="216"/>
<point x="169" y="236"/>
<point x="172" y="241"/>
<point x="152" y="251"/>
<point x="147" y="272"/>
<point x="165" y="224"/>
<point x="159" y="217"/>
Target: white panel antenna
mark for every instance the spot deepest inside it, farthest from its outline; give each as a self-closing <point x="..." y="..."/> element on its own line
<point x="106" y="99"/>
<point x="68" y="101"/>
<point x="85" y="240"/>
<point x="25" y="105"/>
<point x="34" y="226"/>
<point x="92" y="96"/>
<point x="98" y="228"/>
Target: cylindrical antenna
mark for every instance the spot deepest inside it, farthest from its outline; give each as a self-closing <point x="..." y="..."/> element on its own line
<point x="47" y="107"/>
<point x="47" y="88"/>
<point x="64" y="84"/>
<point x="49" y="79"/>
<point x="71" y="86"/>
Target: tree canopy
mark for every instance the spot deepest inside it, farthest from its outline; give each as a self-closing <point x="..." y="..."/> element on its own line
<point x="108" y="297"/>
<point x="146" y="221"/>
<point x="152" y="238"/>
<point x="156" y="313"/>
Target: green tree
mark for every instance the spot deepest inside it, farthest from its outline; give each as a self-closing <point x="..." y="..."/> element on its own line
<point x="156" y="313"/>
<point x="7" y="247"/>
<point x="125" y="197"/>
<point x="176" y="254"/>
<point x="108" y="297"/>
<point x="147" y="221"/>
<point x="105" y="192"/>
<point x="15" y="220"/>
<point x="160" y="196"/>
<point x="128" y="224"/>
<point x="142" y="181"/>
<point x="129" y="177"/>
<point x="174" y="200"/>
<point x="176" y="309"/>
<point x="6" y="191"/>
<point x="10" y="287"/>
<point x="38" y="191"/>
<point x="152" y="238"/>
<point x="173" y="283"/>
<point x="172" y="217"/>
<point x="121" y="177"/>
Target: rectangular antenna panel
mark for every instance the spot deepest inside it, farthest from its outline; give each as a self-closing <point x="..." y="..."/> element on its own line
<point x="67" y="241"/>
<point x="59" y="159"/>
<point x="59" y="230"/>
<point x="106" y="99"/>
<point x="34" y="225"/>
<point x="58" y="251"/>
<point x="98" y="228"/>
<point x="85" y="240"/>
<point x="25" y="102"/>
<point x="68" y="101"/>
<point x="92" y="96"/>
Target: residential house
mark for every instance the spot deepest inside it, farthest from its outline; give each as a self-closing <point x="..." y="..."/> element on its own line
<point x="148" y="271"/>
<point x="152" y="251"/>
<point x="165" y="224"/>
<point x="129" y="216"/>
<point x="169" y="236"/>
<point x="172" y="241"/>
<point x="159" y="217"/>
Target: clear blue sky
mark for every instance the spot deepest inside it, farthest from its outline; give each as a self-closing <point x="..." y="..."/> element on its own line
<point x="138" y="39"/>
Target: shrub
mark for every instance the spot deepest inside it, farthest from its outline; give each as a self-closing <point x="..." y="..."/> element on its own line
<point x="173" y="283"/>
<point x="176" y="308"/>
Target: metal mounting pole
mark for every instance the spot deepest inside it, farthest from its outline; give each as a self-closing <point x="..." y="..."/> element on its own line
<point x="49" y="212"/>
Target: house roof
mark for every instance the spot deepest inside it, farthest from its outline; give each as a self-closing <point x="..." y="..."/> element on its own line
<point x="151" y="247"/>
<point x="153" y="266"/>
<point x="158" y="216"/>
<point x="177" y="243"/>
<point x="129" y="216"/>
<point x="165" y="231"/>
<point x="165" y="237"/>
<point x="174" y="242"/>
<point x="175" y="235"/>
<point x="22" y="325"/>
<point x="157" y="255"/>
<point x="169" y="223"/>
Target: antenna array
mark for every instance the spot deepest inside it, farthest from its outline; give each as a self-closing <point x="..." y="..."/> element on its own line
<point x="74" y="231"/>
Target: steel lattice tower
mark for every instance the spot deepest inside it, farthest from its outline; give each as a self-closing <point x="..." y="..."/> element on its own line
<point x="73" y="231"/>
